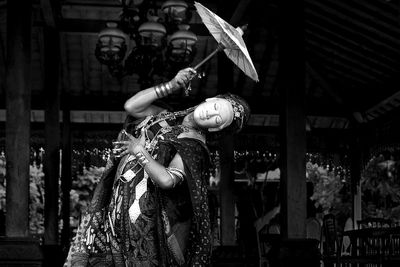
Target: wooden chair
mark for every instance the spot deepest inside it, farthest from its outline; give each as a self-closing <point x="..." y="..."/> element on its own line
<point x="313" y="228"/>
<point x="330" y="242"/>
<point x="346" y="242"/>
<point x="265" y="240"/>
<point x="332" y="245"/>
<point x="393" y="258"/>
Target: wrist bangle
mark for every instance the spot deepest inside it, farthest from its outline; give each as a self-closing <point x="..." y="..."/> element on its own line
<point x="141" y="159"/>
<point x="168" y="86"/>
<point x="162" y="90"/>
<point x="157" y="90"/>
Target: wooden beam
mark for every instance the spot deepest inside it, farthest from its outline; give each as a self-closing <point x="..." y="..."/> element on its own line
<point x="344" y="72"/>
<point x="350" y="56"/>
<point x="384" y="103"/>
<point x="356" y="12"/>
<point x="351" y="47"/>
<point x="361" y="36"/>
<point x="379" y="9"/>
<point x="258" y="104"/>
<point x="342" y="37"/>
<point x="359" y="28"/>
<point x="324" y="84"/>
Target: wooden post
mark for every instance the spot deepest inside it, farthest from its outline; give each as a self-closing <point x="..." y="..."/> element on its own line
<point x="52" y="249"/>
<point x="226" y="192"/>
<point x="295" y="248"/>
<point x="66" y="175"/>
<point x="17" y="247"/>
<point x="292" y="119"/>
<point x="355" y="173"/>
<point x="18" y="97"/>
<point x="225" y="84"/>
<point x="52" y="134"/>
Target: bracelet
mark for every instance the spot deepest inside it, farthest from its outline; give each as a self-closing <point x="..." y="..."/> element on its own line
<point x="162" y="90"/>
<point x="168" y="86"/>
<point x="176" y="175"/>
<point x="141" y="159"/>
<point x="157" y="90"/>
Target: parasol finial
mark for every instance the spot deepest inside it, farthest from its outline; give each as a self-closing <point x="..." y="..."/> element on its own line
<point x="242" y="29"/>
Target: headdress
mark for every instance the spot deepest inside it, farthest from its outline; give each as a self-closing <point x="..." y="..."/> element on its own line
<point x="241" y="111"/>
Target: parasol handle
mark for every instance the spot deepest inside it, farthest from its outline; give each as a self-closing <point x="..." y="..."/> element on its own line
<point x="220" y="47"/>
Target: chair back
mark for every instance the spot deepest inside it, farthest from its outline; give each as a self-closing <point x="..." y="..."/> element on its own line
<point x="331" y="242"/>
<point x="346" y="242"/>
<point x="274" y="228"/>
<point x="313" y="228"/>
<point x="264" y="242"/>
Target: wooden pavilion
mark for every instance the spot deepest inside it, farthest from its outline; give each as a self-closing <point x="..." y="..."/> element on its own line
<point x="328" y="65"/>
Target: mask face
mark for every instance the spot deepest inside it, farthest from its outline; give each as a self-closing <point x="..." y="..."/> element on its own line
<point x="214" y="114"/>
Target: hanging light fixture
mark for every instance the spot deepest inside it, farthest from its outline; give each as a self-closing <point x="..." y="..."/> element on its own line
<point x="111" y="46"/>
<point x="152" y="32"/>
<point x="181" y="46"/>
<point x="149" y="39"/>
<point x="175" y="10"/>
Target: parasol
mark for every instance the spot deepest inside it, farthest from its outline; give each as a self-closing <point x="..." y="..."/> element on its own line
<point x="229" y="39"/>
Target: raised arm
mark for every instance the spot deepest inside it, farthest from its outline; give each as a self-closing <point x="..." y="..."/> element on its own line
<point x="140" y="105"/>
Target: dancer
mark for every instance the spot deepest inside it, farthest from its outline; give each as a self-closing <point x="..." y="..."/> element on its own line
<point x="150" y="207"/>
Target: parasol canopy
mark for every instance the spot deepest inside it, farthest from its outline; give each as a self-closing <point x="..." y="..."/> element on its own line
<point x="229" y="39"/>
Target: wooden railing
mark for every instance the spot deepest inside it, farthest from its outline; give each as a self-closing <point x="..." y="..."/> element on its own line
<point x="376" y="246"/>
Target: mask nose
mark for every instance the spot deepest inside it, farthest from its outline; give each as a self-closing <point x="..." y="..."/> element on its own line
<point x="211" y="112"/>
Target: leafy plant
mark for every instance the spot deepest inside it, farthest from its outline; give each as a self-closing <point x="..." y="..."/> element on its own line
<point x="327" y="186"/>
<point x="381" y="187"/>
<point x="82" y="188"/>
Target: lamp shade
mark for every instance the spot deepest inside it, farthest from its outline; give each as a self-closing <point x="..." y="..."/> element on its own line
<point x="181" y="45"/>
<point x="175" y="9"/>
<point x="111" y="44"/>
<point x="152" y="33"/>
<point x="183" y="37"/>
<point x="174" y="6"/>
<point x="152" y="29"/>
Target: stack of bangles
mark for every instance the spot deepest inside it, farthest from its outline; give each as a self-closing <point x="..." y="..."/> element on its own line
<point x="141" y="159"/>
<point x="163" y="89"/>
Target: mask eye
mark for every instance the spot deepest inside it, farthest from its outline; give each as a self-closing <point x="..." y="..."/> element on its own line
<point x="218" y="120"/>
<point x="216" y="106"/>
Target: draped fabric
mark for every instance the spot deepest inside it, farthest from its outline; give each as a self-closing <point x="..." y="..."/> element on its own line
<point x="153" y="227"/>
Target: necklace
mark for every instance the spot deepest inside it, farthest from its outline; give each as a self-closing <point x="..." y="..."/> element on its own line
<point x="188" y="129"/>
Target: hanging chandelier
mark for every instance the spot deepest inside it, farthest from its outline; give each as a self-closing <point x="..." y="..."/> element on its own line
<point x="148" y="40"/>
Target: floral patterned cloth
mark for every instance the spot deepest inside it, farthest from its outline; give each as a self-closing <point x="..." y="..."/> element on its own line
<point x="173" y="226"/>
